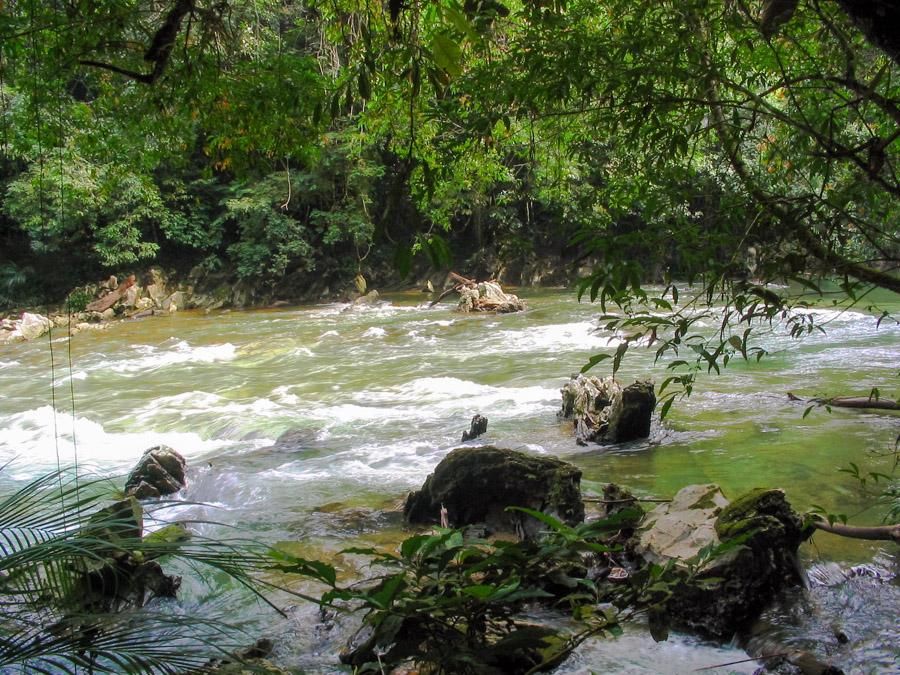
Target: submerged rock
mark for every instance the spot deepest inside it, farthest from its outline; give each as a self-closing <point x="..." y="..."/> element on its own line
<point x="604" y="411"/>
<point x="734" y="557"/>
<point x="475" y="485"/>
<point x="253" y="659"/>
<point x="160" y="471"/>
<point x="293" y="440"/>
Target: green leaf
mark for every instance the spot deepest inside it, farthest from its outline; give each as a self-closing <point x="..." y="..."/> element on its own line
<point x="480" y="591"/>
<point x="447" y="54"/>
<point x="461" y="23"/>
<point x="593" y="361"/>
<point x="384" y="596"/>
<point x="620" y="352"/>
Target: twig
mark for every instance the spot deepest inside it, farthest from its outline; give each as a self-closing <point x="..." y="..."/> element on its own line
<point x="733" y="663"/>
<point x="454" y="289"/>
<point x="594" y="500"/>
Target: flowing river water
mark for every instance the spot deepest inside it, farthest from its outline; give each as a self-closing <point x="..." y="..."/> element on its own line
<point x="381" y="393"/>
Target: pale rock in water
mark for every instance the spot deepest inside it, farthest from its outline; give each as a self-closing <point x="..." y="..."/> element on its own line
<point x="683" y="527"/>
<point x="30" y="327"/>
<point x="733" y="558"/>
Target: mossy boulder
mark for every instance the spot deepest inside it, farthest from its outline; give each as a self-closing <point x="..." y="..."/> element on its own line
<point x="733" y="557"/>
<point x="475" y="485"/>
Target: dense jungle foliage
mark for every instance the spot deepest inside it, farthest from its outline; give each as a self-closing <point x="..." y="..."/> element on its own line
<point x="274" y="141"/>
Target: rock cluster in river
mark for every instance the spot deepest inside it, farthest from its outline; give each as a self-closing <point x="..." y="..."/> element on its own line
<point x="727" y="559"/>
<point x="603" y="411"/>
<point x="488" y="296"/>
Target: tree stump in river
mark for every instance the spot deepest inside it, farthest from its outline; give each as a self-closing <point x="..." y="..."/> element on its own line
<point x="476" y="429"/>
<point x="604" y="411"/>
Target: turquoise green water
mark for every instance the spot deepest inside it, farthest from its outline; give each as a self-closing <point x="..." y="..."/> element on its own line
<point x="384" y="392"/>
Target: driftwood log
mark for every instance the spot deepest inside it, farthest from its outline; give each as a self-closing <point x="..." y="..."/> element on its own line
<point x="461" y="282"/>
<point x="111" y="298"/>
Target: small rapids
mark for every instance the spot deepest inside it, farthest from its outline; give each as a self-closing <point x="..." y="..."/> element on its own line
<point x="377" y="395"/>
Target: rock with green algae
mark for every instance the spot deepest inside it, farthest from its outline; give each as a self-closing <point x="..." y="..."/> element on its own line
<point x="475" y="485"/>
<point x="734" y="558"/>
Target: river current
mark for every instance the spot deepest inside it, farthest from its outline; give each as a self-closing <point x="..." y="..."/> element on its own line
<point x="379" y="394"/>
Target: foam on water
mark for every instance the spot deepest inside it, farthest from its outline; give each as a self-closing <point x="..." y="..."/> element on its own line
<point x="31" y="439"/>
<point x="8" y="364"/>
<point x="564" y="337"/>
<point x="190" y="405"/>
<point x="440" y="397"/>
<point x="148" y="357"/>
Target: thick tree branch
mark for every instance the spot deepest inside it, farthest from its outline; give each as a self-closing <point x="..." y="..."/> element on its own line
<point x="876" y="533"/>
<point x="875" y="18"/>
<point x="160" y="48"/>
<point x="776" y="210"/>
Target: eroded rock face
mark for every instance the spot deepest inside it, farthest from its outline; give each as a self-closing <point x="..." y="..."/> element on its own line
<point x="605" y="412"/>
<point x="757" y="536"/>
<point x="475" y="485"/>
<point x="160" y="471"/>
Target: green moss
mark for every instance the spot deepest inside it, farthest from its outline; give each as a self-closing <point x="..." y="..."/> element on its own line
<point x="748" y="512"/>
<point x="170" y="534"/>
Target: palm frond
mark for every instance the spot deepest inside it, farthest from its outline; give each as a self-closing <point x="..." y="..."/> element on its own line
<point x="71" y="593"/>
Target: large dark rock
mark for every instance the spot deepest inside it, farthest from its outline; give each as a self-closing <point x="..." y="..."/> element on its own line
<point x="160" y="471"/>
<point x="757" y="536"/>
<point x="603" y="411"/>
<point x="475" y="485"/>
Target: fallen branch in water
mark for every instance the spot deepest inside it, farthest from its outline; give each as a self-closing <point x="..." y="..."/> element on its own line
<point x="874" y="533"/>
<point x="859" y="402"/>
<point x="480" y="296"/>
<point x="734" y="663"/>
<point x="862" y="402"/>
<point x="112" y="297"/>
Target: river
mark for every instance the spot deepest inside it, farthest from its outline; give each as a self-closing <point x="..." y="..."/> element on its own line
<point x="383" y="392"/>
